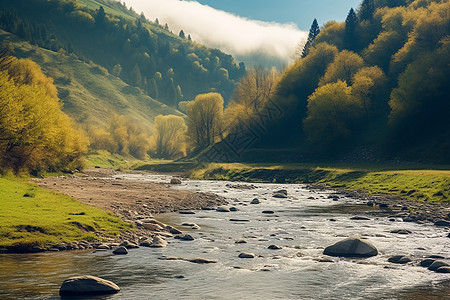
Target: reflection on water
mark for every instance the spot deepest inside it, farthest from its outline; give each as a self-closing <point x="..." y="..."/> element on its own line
<point x="301" y="225"/>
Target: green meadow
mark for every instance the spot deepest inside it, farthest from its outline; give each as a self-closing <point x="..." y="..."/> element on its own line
<point x="430" y="183"/>
<point x="31" y="216"/>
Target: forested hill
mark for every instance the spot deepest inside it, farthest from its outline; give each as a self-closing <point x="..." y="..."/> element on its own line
<point x="145" y="54"/>
<point x="375" y="87"/>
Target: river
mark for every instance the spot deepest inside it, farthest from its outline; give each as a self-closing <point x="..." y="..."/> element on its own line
<point x="303" y="224"/>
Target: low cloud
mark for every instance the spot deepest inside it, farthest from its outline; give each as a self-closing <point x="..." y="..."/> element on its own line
<point x="232" y="34"/>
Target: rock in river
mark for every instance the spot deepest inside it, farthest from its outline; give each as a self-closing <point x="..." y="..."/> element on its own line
<point x="246" y="255"/>
<point x="158" y="242"/>
<point x="427" y="262"/>
<point x="120" y="251"/>
<point x="443" y="270"/>
<point x="283" y="196"/>
<point x="199" y="260"/>
<point x="274" y="247"/>
<point x="442" y="223"/>
<point x="359" y="218"/>
<point x="185" y="237"/>
<point x="351" y="247"/>
<point x="223" y="209"/>
<point x="255" y="201"/>
<point x="87" y="285"/>
<point x="399" y="259"/>
<point x="437" y="264"/>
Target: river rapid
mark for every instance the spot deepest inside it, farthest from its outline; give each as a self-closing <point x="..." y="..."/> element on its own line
<point x="302" y="224"/>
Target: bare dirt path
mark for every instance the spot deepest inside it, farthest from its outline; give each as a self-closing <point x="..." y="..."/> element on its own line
<point x="130" y="199"/>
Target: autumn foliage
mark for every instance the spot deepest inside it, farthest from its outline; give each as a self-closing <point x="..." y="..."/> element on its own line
<point x="35" y="134"/>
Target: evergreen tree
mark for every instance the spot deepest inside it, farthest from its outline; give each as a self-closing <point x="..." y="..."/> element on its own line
<point x="366" y="10"/>
<point x="136" y="76"/>
<point x="172" y="94"/>
<point x="153" y="89"/>
<point x="350" y="27"/>
<point x="182" y="34"/>
<point x="100" y="17"/>
<point x="313" y="32"/>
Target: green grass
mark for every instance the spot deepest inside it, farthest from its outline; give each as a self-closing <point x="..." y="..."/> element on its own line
<point x="104" y="159"/>
<point x="32" y="216"/>
<point x="421" y="183"/>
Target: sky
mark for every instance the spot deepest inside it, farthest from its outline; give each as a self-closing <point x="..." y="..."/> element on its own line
<point x="245" y="28"/>
<point x="300" y="12"/>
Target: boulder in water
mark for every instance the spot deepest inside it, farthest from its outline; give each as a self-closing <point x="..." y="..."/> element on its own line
<point x="399" y="259"/>
<point x="443" y="270"/>
<point x="442" y="223"/>
<point x="223" y="209"/>
<point x="86" y="286"/>
<point x="282" y="196"/>
<point x="438" y="264"/>
<point x="351" y="247"/>
<point x="120" y="251"/>
<point x="246" y="255"/>
<point x="255" y="201"/>
<point x="158" y="242"/>
<point x="274" y="247"/>
<point x="427" y="262"/>
<point x="200" y="260"/>
<point x="185" y="237"/>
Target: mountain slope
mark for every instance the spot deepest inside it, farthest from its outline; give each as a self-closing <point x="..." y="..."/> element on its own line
<point x="90" y="94"/>
<point x="106" y="58"/>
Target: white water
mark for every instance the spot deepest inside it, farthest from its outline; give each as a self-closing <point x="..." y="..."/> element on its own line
<point x="301" y="225"/>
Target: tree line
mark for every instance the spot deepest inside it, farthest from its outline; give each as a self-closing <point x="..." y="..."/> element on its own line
<point x="377" y="83"/>
<point x="167" y="67"/>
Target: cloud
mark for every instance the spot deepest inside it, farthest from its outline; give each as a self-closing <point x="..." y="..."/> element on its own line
<point x="232" y="34"/>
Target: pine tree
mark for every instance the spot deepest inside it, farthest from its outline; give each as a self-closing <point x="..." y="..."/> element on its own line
<point x="313" y="32"/>
<point x="153" y="89"/>
<point x="136" y="76"/>
<point x="366" y="10"/>
<point x="182" y="34"/>
<point x="350" y="26"/>
<point x="101" y="16"/>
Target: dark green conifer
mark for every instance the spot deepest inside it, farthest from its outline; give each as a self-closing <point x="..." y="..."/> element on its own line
<point x="313" y="32"/>
<point x="350" y="27"/>
<point x="366" y="10"/>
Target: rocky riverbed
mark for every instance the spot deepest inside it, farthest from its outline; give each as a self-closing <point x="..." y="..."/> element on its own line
<point x="257" y="240"/>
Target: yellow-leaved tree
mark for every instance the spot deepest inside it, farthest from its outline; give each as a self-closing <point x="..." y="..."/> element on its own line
<point x="35" y="134"/>
<point x="332" y="111"/>
<point x="169" y="137"/>
<point x="205" y="120"/>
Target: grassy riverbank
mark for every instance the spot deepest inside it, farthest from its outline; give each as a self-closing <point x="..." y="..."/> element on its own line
<point x="415" y="182"/>
<point x="32" y="216"/>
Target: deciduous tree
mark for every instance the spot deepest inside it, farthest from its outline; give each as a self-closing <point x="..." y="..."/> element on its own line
<point x="205" y="120"/>
<point x="169" y="137"/>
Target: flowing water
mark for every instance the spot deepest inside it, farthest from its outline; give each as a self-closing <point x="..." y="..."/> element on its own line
<point x="301" y="225"/>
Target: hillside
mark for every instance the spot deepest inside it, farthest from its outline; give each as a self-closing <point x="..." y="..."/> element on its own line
<point x="107" y="59"/>
<point x="372" y="88"/>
